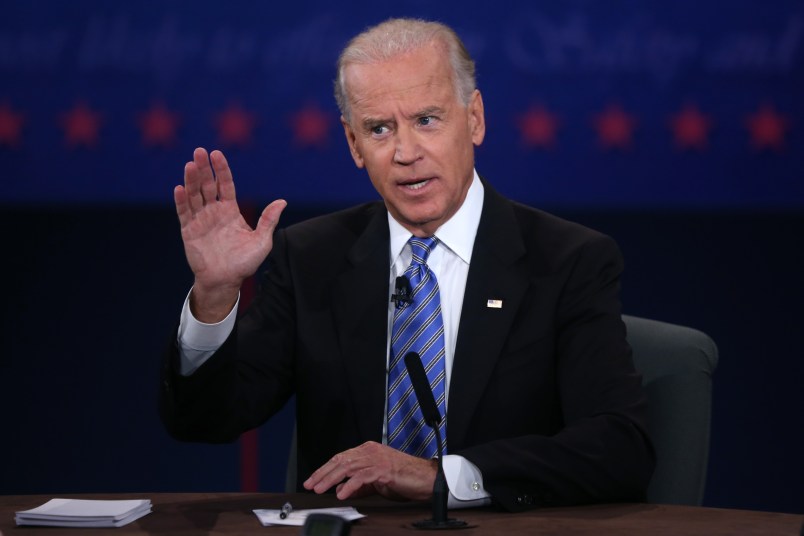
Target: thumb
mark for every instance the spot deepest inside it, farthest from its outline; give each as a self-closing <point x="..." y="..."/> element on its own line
<point x="269" y="218"/>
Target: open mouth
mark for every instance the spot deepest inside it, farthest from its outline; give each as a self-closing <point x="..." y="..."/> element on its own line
<point x="415" y="184"/>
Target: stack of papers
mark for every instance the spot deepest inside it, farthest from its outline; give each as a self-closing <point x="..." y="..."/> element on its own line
<point x="84" y="513"/>
<point x="297" y="517"/>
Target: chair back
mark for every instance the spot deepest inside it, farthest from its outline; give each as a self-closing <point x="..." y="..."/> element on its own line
<point x="676" y="364"/>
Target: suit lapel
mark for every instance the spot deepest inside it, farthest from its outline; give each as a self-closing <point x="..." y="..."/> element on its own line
<point x="360" y="298"/>
<point x="360" y="308"/>
<point x="494" y="274"/>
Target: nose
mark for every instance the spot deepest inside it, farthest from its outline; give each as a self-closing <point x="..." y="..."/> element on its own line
<point x="407" y="149"/>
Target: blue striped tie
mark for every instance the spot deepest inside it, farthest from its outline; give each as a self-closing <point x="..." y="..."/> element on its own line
<point x="418" y="327"/>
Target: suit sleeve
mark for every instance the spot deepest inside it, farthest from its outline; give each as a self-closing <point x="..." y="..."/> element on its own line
<point x="599" y="451"/>
<point x="248" y="379"/>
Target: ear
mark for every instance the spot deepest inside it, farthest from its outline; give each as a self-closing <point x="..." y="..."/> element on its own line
<point x="351" y="139"/>
<point x="477" y="118"/>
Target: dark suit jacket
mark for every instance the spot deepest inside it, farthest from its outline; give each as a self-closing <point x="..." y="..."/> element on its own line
<point x="543" y="397"/>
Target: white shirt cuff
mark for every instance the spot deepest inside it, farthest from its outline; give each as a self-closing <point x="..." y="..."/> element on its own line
<point x="465" y="483"/>
<point x="197" y="340"/>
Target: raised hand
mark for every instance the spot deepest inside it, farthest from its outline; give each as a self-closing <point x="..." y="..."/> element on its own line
<point x="221" y="248"/>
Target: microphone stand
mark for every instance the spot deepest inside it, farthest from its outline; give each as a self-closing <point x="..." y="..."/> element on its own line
<point x="429" y="409"/>
<point x="440" y="520"/>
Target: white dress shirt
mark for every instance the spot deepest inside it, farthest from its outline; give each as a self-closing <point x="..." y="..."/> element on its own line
<point x="449" y="261"/>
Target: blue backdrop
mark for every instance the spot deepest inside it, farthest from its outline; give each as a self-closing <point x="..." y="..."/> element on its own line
<point x="675" y="126"/>
<point x="611" y="104"/>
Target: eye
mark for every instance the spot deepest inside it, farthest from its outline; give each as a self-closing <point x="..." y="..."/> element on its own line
<point x="379" y="130"/>
<point x="427" y="120"/>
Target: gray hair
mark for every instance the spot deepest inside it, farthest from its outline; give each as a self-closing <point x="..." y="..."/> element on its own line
<point x="398" y="36"/>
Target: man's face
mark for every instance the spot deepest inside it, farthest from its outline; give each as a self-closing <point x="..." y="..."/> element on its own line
<point x="413" y="136"/>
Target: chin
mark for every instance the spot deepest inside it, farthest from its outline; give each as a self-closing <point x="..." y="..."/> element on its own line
<point x="419" y="219"/>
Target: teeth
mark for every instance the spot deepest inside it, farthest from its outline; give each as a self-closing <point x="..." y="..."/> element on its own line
<point x="417" y="185"/>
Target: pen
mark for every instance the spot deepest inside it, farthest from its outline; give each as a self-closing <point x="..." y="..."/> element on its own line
<point x="287" y="508"/>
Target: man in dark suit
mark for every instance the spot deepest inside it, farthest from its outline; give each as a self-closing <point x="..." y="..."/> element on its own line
<point x="544" y="406"/>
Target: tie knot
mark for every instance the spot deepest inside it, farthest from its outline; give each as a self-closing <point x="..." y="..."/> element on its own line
<point x="421" y="248"/>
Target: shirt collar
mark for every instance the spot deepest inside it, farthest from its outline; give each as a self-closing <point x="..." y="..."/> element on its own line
<point x="458" y="233"/>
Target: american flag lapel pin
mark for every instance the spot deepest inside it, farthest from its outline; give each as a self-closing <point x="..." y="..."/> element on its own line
<point x="494" y="304"/>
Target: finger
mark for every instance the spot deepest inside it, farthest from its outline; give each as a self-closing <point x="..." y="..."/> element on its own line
<point x="194" y="173"/>
<point x="209" y="187"/>
<point x="223" y="176"/>
<point x="357" y="483"/>
<point x="269" y="218"/>
<point x="192" y="187"/>
<point x="330" y="474"/>
<point x="314" y="479"/>
<point x="182" y="206"/>
<point x="327" y="476"/>
<point x="362" y="491"/>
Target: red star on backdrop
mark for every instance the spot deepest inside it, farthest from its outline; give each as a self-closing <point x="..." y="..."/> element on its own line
<point x="11" y="124"/>
<point x="691" y="128"/>
<point x="81" y="126"/>
<point x="538" y="127"/>
<point x="767" y="128"/>
<point x="614" y="127"/>
<point x="159" y="126"/>
<point x="310" y="127"/>
<point x="236" y="125"/>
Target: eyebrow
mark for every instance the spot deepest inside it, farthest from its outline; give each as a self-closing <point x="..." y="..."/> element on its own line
<point x="370" y="122"/>
<point x="430" y="110"/>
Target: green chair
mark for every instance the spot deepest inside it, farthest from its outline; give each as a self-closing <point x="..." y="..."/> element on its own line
<point x="676" y="364"/>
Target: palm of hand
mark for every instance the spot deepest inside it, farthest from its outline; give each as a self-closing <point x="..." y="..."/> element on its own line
<point x="221" y="247"/>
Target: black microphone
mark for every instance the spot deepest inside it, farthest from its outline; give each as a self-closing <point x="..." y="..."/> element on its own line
<point x="424" y="394"/>
<point x="427" y="403"/>
<point x="402" y="292"/>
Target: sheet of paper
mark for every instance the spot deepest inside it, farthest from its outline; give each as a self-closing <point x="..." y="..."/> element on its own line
<point x="297" y="517"/>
